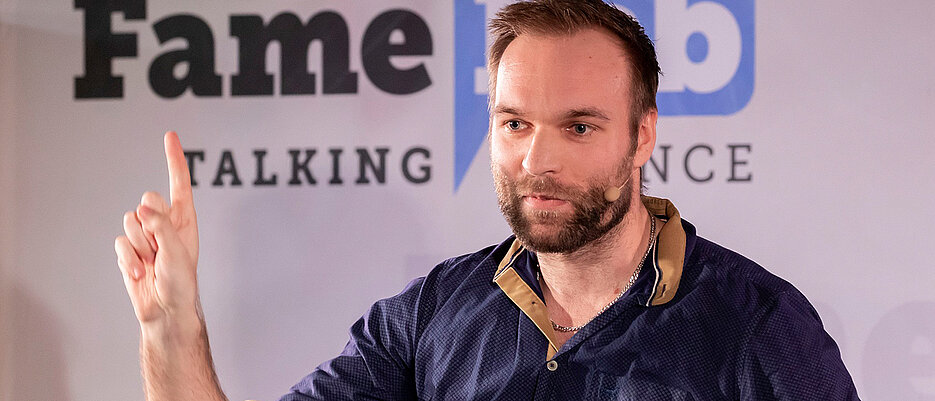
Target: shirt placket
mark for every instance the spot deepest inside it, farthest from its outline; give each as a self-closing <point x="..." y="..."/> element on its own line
<point x="549" y="373"/>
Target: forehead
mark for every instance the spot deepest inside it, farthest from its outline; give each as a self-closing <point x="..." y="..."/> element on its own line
<point x="546" y="72"/>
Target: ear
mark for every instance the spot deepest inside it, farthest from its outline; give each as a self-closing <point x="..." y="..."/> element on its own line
<point x="646" y="138"/>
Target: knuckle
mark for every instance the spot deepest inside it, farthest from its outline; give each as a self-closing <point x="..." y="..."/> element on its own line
<point x="156" y="222"/>
<point x="123" y="247"/>
<point x="148" y="197"/>
<point x="129" y="217"/>
<point x="146" y="212"/>
<point x="152" y="199"/>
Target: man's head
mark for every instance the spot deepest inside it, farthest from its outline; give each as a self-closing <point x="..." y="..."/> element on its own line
<point x="566" y="17"/>
<point x="572" y="113"/>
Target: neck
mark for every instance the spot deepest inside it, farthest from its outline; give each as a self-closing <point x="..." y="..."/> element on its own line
<point x="576" y="285"/>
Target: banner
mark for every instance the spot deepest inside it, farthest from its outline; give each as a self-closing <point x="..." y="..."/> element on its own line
<point x="337" y="151"/>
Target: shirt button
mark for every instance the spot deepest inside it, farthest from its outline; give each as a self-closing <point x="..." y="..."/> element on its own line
<point x="552" y="366"/>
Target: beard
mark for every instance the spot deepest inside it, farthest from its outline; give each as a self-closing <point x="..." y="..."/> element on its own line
<point x="549" y="231"/>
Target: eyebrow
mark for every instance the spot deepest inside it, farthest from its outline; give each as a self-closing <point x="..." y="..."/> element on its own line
<point x="569" y="115"/>
<point x="586" y="112"/>
<point x="507" y="110"/>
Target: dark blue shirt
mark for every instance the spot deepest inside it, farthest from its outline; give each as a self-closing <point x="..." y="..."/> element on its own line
<point x="703" y="323"/>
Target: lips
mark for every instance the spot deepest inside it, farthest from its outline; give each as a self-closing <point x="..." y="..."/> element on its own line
<point x="543" y="196"/>
<point x="539" y="200"/>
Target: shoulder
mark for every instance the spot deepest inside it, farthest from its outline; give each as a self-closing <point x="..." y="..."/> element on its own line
<point x="466" y="269"/>
<point x="456" y="275"/>
<point x="733" y="276"/>
<point x="733" y="292"/>
<point x="408" y="311"/>
<point x="781" y="346"/>
<point x="777" y="335"/>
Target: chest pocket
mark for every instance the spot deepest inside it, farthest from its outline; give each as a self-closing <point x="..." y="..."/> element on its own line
<point x="606" y="387"/>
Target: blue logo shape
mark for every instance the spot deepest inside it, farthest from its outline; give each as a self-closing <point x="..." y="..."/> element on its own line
<point x="705" y="48"/>
<point x="470" y="106"/>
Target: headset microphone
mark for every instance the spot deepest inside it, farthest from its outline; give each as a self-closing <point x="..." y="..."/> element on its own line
<point x="613" y="193"/>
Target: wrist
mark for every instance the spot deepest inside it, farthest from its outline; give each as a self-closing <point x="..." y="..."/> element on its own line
<point x="176" y="361"/>
<point x="179" y="331"/>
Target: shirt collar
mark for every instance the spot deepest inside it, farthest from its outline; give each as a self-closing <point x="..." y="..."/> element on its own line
<point x="658" y="282"/>
<point x="516" y="272"/>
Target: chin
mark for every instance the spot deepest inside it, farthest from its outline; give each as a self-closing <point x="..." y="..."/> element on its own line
<point x="549" y="244"/>
<point x="539" y="237"/>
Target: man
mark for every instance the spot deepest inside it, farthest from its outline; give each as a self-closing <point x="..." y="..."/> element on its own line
<point x="601" y="294"/>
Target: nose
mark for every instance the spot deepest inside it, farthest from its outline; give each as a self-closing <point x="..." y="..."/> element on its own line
<point x="542" y="156"/>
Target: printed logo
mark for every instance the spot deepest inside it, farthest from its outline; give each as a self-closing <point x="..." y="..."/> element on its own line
<point x="470" y="125"/>
<point x="705" y="49"/>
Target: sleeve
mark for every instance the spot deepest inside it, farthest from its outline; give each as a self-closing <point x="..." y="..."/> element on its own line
<point x="789" y="356"/>
<point x="377" y="362"/>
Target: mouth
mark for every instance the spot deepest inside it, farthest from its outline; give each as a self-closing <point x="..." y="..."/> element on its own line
<point x="543" y="201"/>
<point x="542" y="196"/>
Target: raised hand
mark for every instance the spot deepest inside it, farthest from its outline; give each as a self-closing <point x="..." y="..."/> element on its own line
<point x="158" y="254"/>
<point x="159" y="257"/>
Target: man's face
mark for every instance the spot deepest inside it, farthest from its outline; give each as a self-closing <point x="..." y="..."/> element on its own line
<point x="560" y="136"/>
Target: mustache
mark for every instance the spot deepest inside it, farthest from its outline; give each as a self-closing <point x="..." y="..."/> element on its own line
<point x="546" y="186"/>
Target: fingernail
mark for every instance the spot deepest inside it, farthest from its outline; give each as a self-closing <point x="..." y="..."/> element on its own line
<point x="145" y="211"/>
<point x="137" y="272"/>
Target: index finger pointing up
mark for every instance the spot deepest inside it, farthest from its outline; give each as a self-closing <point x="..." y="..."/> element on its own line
<point x="180" y="182"/>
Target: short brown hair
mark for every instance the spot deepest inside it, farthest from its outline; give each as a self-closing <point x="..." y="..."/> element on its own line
<point x="557" y="17"/>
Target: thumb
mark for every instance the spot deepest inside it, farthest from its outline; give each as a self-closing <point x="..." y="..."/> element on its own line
<point x="174" y="283"/>
<point x="158" y="223"/>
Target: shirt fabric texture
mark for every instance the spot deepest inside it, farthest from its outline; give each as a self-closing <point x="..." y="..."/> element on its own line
<point x="717" y="326"/>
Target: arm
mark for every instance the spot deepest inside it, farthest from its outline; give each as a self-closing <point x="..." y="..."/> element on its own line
<point x="178" y="367"/>
<point x="158" y="257"/>
<point x="378" y="361"/>
<point x="789" y="356"/>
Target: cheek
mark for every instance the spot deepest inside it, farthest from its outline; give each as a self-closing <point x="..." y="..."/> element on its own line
<point x="502" y="153"/>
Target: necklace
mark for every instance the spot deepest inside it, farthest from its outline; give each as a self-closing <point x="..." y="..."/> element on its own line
<point x="636" y="273"/>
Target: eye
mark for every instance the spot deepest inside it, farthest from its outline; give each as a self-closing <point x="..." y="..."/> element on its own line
<point x="514" y="125"/>
<point x="581" y="129"/>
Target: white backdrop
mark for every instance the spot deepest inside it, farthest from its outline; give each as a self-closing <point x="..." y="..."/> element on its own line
<point x="831" y="164"/>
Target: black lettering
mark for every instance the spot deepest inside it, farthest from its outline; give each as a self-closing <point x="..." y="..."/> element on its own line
<point x="378" y="170"/>
<point x="102" y="46"/>
<point x="296" y="166"/>
<point x="199" y="57"/>
<point x="227" y="167"/>
<point x="190" y="156"/>
<point x="260" y="180"/>
<point x="377" y="50"/>
<point x="294" y="39"/>
<point x="425" y="168"/>
<point x="335" y="166"/>
<point x="688" y="170"/>
<point x="734" y="162"/>
<point x="663" y="172"/>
